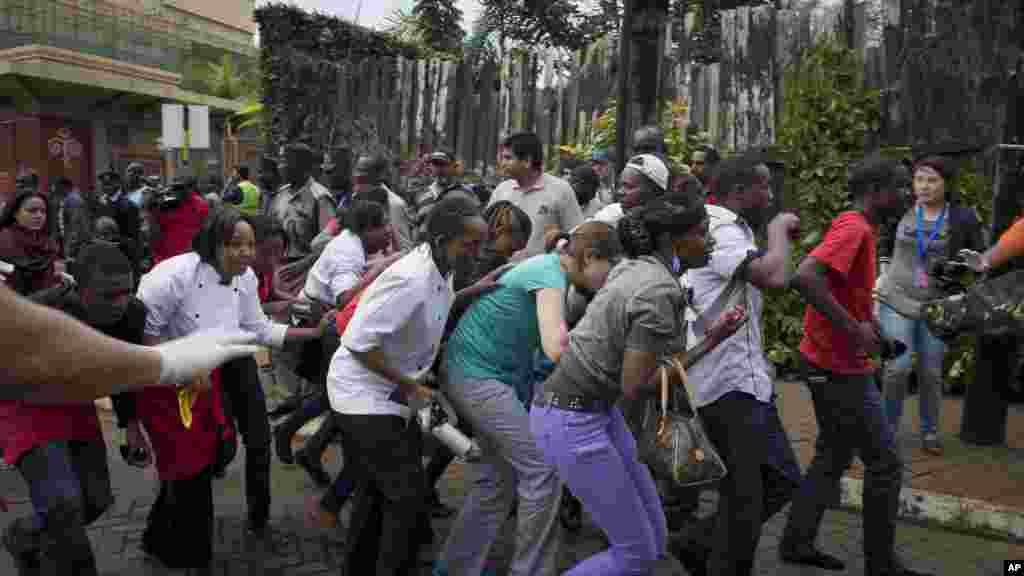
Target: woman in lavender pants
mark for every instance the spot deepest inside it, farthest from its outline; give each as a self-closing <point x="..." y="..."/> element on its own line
<point x="490" y="385"/>
<point x="614" y="352"/>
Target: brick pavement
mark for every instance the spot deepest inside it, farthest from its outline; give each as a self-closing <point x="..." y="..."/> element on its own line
<point x="116" y="535"/>
<point x="991" y="474"/>
<point x="301" y="551"/>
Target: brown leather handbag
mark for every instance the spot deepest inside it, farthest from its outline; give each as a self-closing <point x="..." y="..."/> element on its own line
<point x="676" y="444"/>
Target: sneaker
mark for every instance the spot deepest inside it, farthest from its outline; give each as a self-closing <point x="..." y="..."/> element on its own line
<point x="22" y="540"/>
<point x="932" y="444"/>
<point x="314" y="468"/>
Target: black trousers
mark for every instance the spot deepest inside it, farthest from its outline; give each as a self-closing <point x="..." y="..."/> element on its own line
<point x="389" y="511"/>
<point x="244" y="402"/>
<point x="851" y="419"/>
<point x="179" y="531"/>
<point x="763" y="475"/>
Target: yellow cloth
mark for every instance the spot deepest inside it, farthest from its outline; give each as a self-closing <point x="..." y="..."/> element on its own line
<point x="187" y="397"/>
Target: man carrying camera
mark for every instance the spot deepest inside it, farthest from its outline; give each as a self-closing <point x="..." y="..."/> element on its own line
<point x="840" y="333"/>
<point x="174" y="215"/>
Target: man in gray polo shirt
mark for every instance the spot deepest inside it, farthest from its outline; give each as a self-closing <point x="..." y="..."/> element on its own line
<point x="733" y="388"/>
<point x="549" y="200"/>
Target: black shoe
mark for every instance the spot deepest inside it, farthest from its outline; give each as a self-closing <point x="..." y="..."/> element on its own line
<point x="283" y="444"/>
<point x="811" y="557"/>
<point x="439" y="509"/>
<point x="23" y="542"/>
<point x="571" y="513"/>
<point x="314" y="468"/>
<point x="693" y="558"/>
<point x="270" y="539"/>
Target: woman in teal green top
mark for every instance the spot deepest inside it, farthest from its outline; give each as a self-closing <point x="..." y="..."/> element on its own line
<point x="489" y="361"/>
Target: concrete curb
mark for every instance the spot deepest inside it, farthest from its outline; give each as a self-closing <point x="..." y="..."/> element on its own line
<point x="953" y="512"/>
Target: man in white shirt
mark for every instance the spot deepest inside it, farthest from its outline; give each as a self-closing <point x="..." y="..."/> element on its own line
<point x="373" y="383"/>
<point x="733" y="387"/>
<point x="549" y="200"/>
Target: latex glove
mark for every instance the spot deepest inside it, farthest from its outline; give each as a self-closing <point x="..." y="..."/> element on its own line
<point x="182" y="360"/>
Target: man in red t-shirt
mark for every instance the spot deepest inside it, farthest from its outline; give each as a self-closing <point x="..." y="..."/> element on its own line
<point x="840" y="332"/>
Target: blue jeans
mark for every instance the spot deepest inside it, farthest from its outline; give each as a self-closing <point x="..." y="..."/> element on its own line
<point x="596" y="457"/>
<point x="851" y="417"/>
<point x="69" y="485"/>
<point x="930" y="354"/>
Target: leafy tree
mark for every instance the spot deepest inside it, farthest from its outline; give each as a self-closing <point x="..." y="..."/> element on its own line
<point x="551" y="23"/>
<point x="439" y="23"/>
<point x="226" y="80"/>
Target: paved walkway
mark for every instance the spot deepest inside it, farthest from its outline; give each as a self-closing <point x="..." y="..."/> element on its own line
<point x="116" y="535"/>
<point x="957" y="472"/>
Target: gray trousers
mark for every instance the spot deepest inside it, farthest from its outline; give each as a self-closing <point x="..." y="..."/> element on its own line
<point x="512" y="466"/>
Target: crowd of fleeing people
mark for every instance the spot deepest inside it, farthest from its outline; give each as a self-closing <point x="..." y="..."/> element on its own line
<point x="541" y="316"/>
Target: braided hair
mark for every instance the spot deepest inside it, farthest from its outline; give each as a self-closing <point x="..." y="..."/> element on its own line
<point x="674" y="214"/>
<point x="504" y="213"/>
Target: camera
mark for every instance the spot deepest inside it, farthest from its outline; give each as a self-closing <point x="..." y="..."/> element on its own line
<point x="171" y="196"/>
<point x="952" y="276"/>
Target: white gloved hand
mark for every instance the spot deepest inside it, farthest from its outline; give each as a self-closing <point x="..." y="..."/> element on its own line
<point x="183" y="359"/>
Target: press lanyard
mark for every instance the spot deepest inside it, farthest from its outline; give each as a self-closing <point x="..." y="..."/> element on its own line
<point x="922" y="245"/>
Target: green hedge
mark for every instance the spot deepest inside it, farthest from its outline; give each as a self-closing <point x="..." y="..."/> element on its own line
<point x="827" y="117"/>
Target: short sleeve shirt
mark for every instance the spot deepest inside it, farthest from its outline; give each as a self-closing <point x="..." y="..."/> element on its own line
<point x="403" y="314"/>
<point x="298" y="212"/>
<point x="339" y="268"/>
<point x="849" y="253"/>
<point x="640" y="308"/>
<point x="497" y="336"/>
<point x="1012" y="241"/>
<point x="738" y="363"/>
<point x="550" y="202"/>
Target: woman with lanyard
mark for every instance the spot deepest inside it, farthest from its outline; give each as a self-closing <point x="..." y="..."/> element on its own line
<point x="212" y="287"/>
<point x="489" y="376"/>
<point x="935" y="228"/>
<point x="614" y="352"/>
<point x="374" y="384"/>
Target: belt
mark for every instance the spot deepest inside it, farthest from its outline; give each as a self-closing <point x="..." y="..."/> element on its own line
<point x="571" y="402"/>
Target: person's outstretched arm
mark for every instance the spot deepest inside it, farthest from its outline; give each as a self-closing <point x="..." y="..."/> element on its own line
<point x="48" y="357"/>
